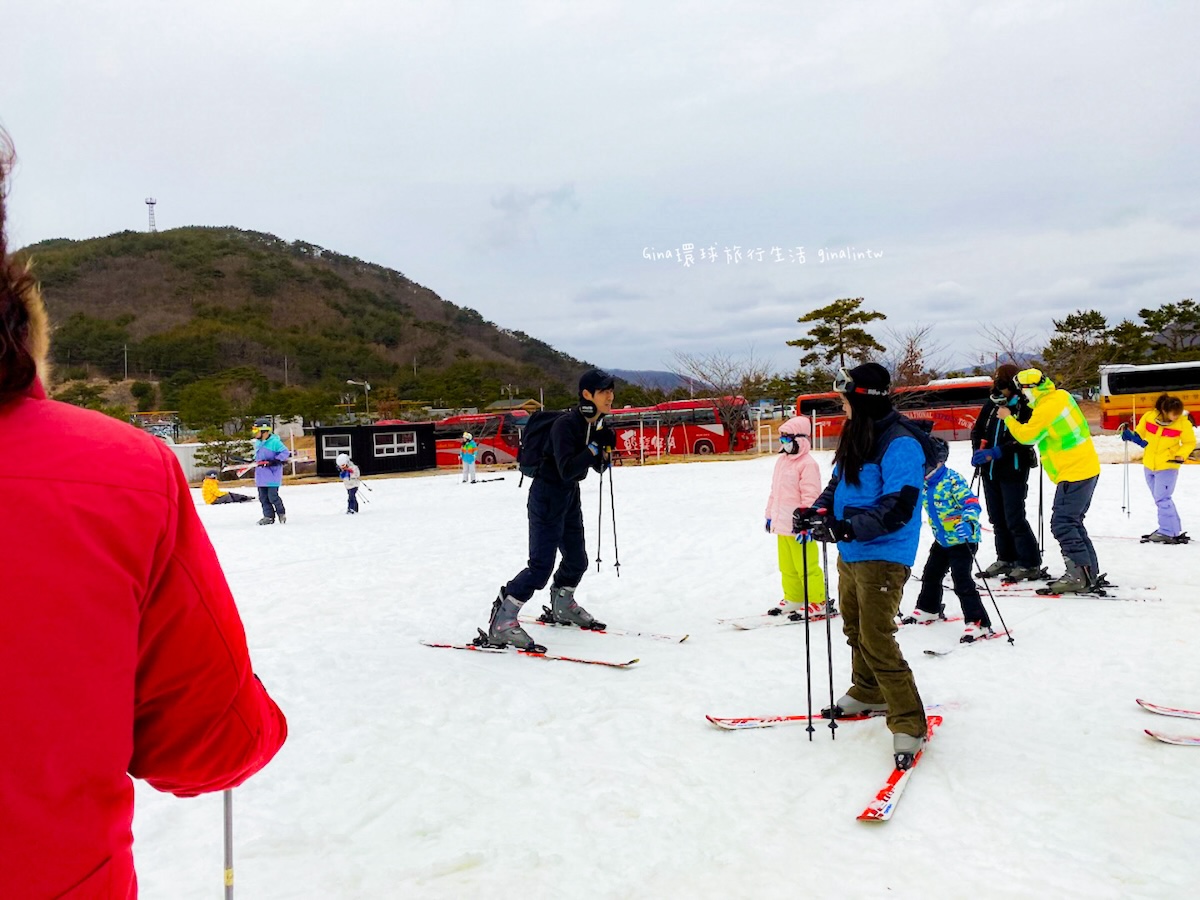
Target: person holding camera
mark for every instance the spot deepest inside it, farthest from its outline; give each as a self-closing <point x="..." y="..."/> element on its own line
<point x="1004" y="464"/>
<point x="578" y="443"/>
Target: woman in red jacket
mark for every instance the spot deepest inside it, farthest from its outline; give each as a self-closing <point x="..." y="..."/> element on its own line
<point x="121" y="649"/>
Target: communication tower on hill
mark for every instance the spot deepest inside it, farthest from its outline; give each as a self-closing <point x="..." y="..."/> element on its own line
<point x="150" y="201"/>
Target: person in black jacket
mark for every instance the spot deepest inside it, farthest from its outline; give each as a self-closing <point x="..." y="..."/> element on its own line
<point x="579" y="443"/>
<point x="1005" y="464"/>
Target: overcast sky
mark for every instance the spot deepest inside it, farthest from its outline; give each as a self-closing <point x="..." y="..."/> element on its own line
<point x="1009" y="162"/>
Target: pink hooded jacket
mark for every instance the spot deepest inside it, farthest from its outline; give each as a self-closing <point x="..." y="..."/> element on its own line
<point x="797" y="478"/>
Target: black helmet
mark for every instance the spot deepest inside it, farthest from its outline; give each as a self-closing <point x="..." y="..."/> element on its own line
<point x="941" y="452"/>
<point x="211" y="473"/>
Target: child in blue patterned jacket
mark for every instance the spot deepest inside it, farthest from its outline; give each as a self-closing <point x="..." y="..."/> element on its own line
<point x="954" y="517"/>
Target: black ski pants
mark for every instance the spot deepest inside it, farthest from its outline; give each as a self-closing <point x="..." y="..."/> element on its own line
<point x="958" y="561"/>
<point x="555" y="526"/>
<point x="1015" y="541"/>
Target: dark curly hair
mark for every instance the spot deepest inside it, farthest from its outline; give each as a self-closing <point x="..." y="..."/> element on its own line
<point x="23" y="329"/>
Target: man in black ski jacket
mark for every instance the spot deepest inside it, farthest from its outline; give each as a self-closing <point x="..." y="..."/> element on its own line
<point x="1004" y="465"/>
<point x="579" y="443"/>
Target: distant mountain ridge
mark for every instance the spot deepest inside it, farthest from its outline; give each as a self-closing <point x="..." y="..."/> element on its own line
<point x="651" y="379"/>
<point x="191" y="303"/>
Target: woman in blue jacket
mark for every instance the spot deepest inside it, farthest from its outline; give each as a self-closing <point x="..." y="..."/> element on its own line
<point x="869" y="508"/>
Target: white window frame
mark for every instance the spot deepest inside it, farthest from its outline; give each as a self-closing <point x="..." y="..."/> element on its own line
<point x="396" y="447"/>
<point x="331" y="445"/>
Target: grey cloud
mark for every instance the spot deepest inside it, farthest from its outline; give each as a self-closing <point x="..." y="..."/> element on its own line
<point x="607" y="293"/>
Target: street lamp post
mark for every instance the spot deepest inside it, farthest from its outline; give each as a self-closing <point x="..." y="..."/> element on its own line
<point x="366" y="394"/>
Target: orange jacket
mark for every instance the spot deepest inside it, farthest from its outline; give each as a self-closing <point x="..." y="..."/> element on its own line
<point x="123" y="653"/>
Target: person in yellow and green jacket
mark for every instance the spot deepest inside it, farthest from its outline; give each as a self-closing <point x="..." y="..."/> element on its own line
<point x="1167" y="435"/>
<point x="1064" y="443"/>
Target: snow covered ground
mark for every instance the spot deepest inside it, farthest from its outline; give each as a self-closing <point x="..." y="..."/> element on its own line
<point x="416" y="772"/>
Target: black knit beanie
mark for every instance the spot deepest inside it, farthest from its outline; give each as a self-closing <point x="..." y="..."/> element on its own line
<point x="868" y="390"/>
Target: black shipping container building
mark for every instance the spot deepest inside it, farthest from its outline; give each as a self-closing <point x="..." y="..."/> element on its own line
<point x="377" y="449"/>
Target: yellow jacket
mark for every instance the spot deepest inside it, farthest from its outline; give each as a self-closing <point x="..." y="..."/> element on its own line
<point x="211" y="490"/>
<point x="1165" y="443"/>
<point x="1061" y="433"/>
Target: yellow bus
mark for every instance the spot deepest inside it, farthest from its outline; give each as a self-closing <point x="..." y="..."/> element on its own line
<point x="1126" y="392"/>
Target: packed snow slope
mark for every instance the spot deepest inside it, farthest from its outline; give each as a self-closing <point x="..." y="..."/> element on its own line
<point x="413" y="772"/>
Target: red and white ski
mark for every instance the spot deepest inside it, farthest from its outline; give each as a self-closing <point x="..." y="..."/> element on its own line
<point x="961" y="644"/>
<point x="673" y="638"/>
<point x="766" y="620"/>
<point x="533" y="654"/>
<point x="771" y="721"/>
<point x="1169" y="710"/>
<point x="1184" y="740"/>
<point x="881" y="808"/>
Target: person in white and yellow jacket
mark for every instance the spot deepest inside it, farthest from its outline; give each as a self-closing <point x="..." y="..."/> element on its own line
<point x="1167" y="435"/>
<point x="1068" y="455"/>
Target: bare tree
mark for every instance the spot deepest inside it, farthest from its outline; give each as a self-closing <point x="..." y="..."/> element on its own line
<point x="1007" y="343"/>
<point x="915" y="357"/>
<point x="730" y="379"/>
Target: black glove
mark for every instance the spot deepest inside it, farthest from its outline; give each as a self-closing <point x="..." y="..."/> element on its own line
<point x="604" y="437"/>
<point x="831" y="531"/>
<point x="804" y="518"/>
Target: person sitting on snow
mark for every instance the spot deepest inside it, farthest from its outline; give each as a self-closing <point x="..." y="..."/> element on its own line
<point x="213" y="494"/>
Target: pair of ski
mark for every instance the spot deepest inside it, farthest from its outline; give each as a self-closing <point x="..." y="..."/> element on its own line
<point x="880" y="809"/>
<point x="1107" y="592"/>
<point x="480" y="644"/>
<point x="1181" y="739"/>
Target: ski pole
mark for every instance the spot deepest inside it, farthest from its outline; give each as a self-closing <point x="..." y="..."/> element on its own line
<point x="1041" y="507"/>
<point x="807" y="646"/>
<point x="983" y="578"/>
<point x="612" y="508"/>
<point x="829" y="637"/>
<point x="1125" y="495"/>
<point x="600" y="521"/>
<point x="229" y="844"/>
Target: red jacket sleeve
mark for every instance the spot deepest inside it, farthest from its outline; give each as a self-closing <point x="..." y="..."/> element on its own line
<point x="202" y="720"/>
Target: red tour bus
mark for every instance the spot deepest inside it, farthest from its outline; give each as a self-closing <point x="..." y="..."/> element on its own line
<point x="951" y="403"/>
<point x="497" y="434"/>
<point x="680" y="426"/>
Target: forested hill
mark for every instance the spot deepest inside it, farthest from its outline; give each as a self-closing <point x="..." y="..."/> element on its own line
<point x="222" y="305"/>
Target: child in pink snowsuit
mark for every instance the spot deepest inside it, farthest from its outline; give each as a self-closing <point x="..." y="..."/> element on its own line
<point x="796" y="484"/>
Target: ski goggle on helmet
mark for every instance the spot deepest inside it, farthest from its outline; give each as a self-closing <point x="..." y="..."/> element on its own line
<point x="844" y="384"/>
<point x="1028" y="380"/>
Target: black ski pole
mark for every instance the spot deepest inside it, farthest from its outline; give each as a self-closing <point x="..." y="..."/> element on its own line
<point x="807" y="645"/>
<point x="600" y="521"/>
<point x="612" y="509"/>
<point x="829" y="637"/>
<point x="992" y="596"/>
<point x="1041" y="507"/>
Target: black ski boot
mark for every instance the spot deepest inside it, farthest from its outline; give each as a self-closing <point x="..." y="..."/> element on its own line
<point x="565" y="611"/>
<point x="503" y="628"/>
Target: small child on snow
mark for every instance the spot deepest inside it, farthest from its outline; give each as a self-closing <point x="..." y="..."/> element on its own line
<point x="795" y="484"/>
<point x="467" y="453"/>
<point x="349" y="473"/>
<point x="1168" y="438"/>
<point x="954" y="517"/>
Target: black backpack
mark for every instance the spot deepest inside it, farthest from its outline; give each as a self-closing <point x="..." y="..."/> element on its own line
<point x="535" y="442"/>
